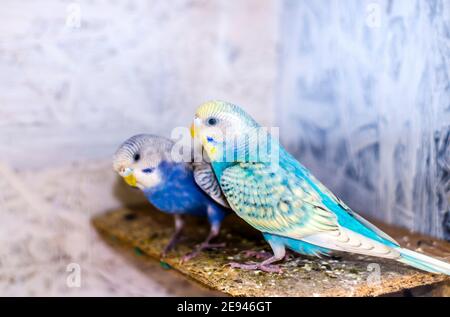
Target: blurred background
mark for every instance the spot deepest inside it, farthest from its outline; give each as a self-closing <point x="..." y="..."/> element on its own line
<point x="359" y="89"/>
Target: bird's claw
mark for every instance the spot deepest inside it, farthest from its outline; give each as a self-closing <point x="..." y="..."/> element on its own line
<point x="203" y="246"/>
<point x="171" y="245"/>
<point x="260" y="255"/>
<point x="166" y="250"/>
<point x="268" y="268"/>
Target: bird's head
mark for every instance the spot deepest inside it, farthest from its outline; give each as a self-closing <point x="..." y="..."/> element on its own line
<point x="138" y="159"/>
<point x="221" y="126"/>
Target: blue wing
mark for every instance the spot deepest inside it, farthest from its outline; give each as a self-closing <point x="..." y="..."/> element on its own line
<point x="345" y="216"/>
<point x="291" y="203"/>
<point x="275" y="202"/>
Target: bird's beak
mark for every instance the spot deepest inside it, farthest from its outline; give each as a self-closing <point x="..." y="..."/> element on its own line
<point x="128" y="177"/>
<point x="193" y="130"/>
<point x="194" y="127"/>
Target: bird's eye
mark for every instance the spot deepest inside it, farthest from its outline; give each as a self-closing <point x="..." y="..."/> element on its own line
<point x="137" y="157"/>
<point x="212" y="121"/>
<point x="148" y="170"/>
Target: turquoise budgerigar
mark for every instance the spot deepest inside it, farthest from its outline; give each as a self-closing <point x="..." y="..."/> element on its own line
<point x="283" y="200"/>
<point x="177" y="188"/>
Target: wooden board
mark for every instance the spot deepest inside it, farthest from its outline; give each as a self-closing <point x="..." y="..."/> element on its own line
<point x="147" y="231"/>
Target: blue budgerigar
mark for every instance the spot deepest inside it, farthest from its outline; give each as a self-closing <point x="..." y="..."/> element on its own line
<point x="177" y="188"/>
<point x="283" y="200"/>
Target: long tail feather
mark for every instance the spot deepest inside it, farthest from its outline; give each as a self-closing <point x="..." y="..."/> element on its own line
<point x="423" y="262"/>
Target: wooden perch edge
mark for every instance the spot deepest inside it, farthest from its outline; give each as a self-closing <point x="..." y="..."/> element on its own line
<point x="148" y="231"/>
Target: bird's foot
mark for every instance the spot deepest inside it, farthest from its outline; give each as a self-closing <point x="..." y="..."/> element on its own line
<point x="166" y="250"/>
<point x="260" y="255"/>
<point x="171" y="245"/>
<point x="201" y="247"/>
<point x="269" y="268"/>
<point x="176" y="236"/>
<point x="264" y="255"/>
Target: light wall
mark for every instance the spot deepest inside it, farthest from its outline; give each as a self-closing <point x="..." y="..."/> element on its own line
<point x="364" y="102"/>
<point x="77" y="77"/>
<point x="360" y="89"/>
